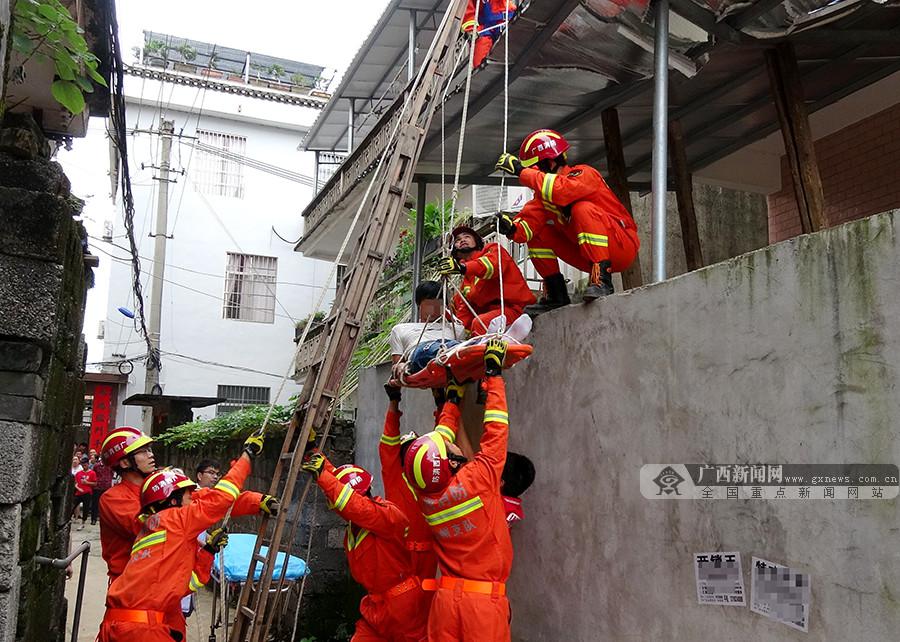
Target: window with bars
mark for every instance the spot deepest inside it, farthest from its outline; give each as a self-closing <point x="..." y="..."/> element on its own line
<point x="218" y="171"/>
<point x="240" y="397"/>
<point x="250" y="287"/>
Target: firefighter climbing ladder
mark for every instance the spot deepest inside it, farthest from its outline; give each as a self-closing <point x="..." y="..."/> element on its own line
<point x="391" y="181"/>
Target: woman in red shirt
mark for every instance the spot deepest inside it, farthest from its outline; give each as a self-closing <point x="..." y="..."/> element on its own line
<point x="85" y="480"/>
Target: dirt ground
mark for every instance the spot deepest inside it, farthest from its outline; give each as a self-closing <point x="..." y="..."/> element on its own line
<point x="95" y="592"/>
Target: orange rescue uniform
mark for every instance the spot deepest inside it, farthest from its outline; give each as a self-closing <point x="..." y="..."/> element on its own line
<point x="397" y="490"/>
<point x="468" y="522"/>
<point x="395" y="608"/>
<point x="574" y="216"/>
<point x="141" y="602"/>
<point x="481" y="288"/>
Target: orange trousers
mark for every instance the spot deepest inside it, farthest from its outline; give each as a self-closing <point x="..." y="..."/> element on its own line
<point x="402" y="618"/>
<point x="468" y="617"/>
<point x="588" y="238"/>
<point x="134" y="631"/>
<point x="482" y="322"/>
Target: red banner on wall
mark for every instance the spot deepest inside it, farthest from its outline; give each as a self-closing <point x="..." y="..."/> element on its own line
<point x="100" y="414"/>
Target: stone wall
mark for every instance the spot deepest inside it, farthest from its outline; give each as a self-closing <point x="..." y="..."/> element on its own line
<point x="784" y="355"/>
<point x="330" y="598"/>
<point x="43" y="284"/>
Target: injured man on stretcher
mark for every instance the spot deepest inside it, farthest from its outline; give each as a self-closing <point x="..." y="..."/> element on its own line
<point x="414" y="345"/>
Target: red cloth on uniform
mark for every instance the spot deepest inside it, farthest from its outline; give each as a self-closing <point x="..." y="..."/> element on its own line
<point x="159" y="571"/>
<point x="468" y="521"/>
<point x="397" y="490"/>
<point x="396" y="607"/>
<point x="514" y="512"/>
<point x="481" y="288"/>
<point x="574" y="216"/>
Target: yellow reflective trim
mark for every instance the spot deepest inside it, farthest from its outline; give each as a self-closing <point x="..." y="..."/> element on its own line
<point x="593" y="239"/>
<point x="390" y="440"/>
<point x="195" y="584"/>
<point x="417" y="468"/>
<point x="526" y="227"/>
<point x="468" y="25"/>
<point x="539" y="134"/>
<point x="351" y="469"/>
<point x="353" y="542"/>
<point x="547" y="187"/>
<point x="498" y="416"/>
<point x="343" y="497"/>
<point x="446" y="432"/>
<point x="409" y="486"/>
<point x="440" y="443"/>
<point x="454" y="512"/>
<point x="541" y="253"/>
<point x="150" y="540"/>
<point x="486" y="262"/>
<point x="550" y="207"/>
<point x="228" y="488"/>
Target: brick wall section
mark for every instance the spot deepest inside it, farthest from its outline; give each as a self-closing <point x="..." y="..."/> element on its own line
<point x="43" y="284"/>
<point x="859" y="165"/>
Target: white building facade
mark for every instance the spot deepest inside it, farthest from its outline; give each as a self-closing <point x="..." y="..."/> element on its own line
<point x="233" y="286"/>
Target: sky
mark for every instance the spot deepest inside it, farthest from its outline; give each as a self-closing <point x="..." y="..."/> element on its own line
<point x="319" y="33"/>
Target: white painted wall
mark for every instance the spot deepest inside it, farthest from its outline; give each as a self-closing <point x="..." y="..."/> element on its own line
<point x="205" y="228"/>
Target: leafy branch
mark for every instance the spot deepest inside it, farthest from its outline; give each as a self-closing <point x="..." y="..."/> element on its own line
<point x="45" y="30"/>
<point x="239" y="423"/>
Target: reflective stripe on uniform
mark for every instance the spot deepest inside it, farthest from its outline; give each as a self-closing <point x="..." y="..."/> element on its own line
<point x="446" y="432"/>
<point x="467" y="26"/>
<point x="438" y="441"/>
<point x="343" y="497"/>
<point x="586" y="238"/>
<point x="353" y="542"/>
<point x="498" y="416"/>
<point x="409" y="486"/>
<point x="488" y="266"/>
<point x="195" y="584"/>
<point x="149" y="540"/>
<point x="454" y="512"/>
<point x="389" y="440"/>
<point x="228" y="488"/>
<point x="547" y="187"/>
<point x="541" y="253"/>
<point x="525" y="227"/>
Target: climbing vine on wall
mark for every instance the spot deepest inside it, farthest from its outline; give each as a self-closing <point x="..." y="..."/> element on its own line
<point x="45" y="30"/>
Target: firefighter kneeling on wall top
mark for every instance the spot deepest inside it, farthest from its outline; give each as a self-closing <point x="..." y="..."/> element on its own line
<point x="574" y="216"/>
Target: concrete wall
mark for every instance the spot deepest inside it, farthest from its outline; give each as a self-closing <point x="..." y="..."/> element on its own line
<point x="858" y="164"/>
<point x="43" y="282"/>
<point x="783" y="355"/>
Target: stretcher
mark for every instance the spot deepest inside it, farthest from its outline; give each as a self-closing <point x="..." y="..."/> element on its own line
<point x="234" y="560"/>
<point x="464" y="361"/>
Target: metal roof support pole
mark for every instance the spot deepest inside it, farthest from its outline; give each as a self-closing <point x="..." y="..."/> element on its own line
<point x="316" y="174"/>
<point x="660" y="133"/>
<point x="419" y="247"/>
<point x="411" y="61"/>
<point x="350" y="125"/>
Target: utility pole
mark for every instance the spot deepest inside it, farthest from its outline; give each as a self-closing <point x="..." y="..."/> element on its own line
<point x="151" y="386"/>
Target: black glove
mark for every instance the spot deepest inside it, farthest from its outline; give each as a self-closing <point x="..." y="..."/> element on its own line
<point x="314" y="463"/>
<point x="269" y="505"/>
<point x="506" y="225"/>
<point x="455" y="390"/>
<point x="509" y="164"/>
<point x="393" y="392"/>
<point x="448" y="265"/>
<point x="216" y="540"/>
<point x="494" y="354"/>
<point x="440" y="396"/>
<point x="254" y="445"/>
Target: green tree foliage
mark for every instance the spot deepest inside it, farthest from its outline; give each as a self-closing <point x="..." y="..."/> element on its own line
<point x="239" y="423"/>
<point x="46" y="31"/>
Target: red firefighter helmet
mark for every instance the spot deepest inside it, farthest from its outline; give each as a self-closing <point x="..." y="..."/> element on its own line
<point x="543" y="144"/>
<point x="358" y="478"/>
<point x="426" y="464"/>
<point x="122" y="442"/>
<point x="160" y="485"/>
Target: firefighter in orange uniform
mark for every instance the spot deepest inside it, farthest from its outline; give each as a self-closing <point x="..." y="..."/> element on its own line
<point x="395" y="608"/>
<point x="492" y="14"/>
<point x="481" y="267"/>
<point x="574" y="216"/>
<point x="159" y="572"/>
<point x="464" y="509"/>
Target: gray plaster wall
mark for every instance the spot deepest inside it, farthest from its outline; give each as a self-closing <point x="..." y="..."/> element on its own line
<point x="784" y="355"/>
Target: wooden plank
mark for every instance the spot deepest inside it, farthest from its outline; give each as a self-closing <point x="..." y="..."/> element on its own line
<point x="684" y="195"/>
<point x="787" y="93"/>
<point x="617" y="180"/>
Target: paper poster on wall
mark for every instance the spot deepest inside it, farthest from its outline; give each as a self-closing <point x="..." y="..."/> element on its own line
<point x="780" y="593"/>
<point x="719" y="579"/>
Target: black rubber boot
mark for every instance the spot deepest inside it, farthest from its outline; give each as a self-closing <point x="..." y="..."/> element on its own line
<point x="601" y="282"/>
<point x="557" y="296"/>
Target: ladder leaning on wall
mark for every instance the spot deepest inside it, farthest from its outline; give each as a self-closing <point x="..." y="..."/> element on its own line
<point x="258" y="604"/>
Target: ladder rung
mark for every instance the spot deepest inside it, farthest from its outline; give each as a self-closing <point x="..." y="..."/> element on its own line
<point x="330" y="394"/>
<point x="286" y="456"/>
<point x="250" y="613"/>
<point x="376" y="255"/>
<point x="396" y="191"/>
<point x="259" y="558"/>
